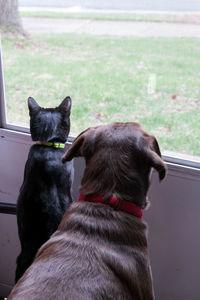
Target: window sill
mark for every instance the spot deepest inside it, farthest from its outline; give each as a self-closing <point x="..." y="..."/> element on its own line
<point x="172" y="159"/>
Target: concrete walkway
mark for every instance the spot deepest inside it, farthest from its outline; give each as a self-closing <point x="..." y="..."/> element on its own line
<point x="115" y="28"/>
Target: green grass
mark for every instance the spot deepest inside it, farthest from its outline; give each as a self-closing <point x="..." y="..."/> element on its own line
<point x="108" y="80"/>
<point x="118" y="16"/>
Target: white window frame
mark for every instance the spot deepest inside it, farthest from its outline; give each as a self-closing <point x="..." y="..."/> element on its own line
<point x="171" y="158"/>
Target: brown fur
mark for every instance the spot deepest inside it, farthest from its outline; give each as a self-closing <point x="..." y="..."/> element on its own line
<point x="98" y="252"/>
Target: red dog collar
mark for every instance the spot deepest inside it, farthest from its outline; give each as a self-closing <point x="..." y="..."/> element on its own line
<point x="115" y="202"/>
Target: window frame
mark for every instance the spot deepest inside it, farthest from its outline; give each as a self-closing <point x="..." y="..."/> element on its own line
<point x="2" y="94"/>
<point x="173" y="159"/>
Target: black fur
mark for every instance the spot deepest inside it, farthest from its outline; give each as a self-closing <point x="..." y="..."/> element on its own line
<point x="46" y="190"/>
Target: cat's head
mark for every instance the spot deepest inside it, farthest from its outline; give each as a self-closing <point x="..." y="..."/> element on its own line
<point x="49" y="124"/>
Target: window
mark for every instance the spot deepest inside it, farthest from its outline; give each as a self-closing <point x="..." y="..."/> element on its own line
<point x="150" y="78"/>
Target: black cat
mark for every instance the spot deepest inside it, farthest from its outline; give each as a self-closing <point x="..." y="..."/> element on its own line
<point x="46" y="191"/>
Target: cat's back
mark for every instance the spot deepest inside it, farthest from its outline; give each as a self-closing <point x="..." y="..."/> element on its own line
<point x="46" y="175"/>
<point x="46" y="160"/>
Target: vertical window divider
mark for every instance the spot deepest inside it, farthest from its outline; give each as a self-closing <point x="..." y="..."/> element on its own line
<point x="2" y="93"/>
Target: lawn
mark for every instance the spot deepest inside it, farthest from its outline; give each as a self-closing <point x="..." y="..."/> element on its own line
<point x="154" y="81"/>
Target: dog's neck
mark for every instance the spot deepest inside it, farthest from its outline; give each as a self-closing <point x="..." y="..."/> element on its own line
<point x="116" y="203"/>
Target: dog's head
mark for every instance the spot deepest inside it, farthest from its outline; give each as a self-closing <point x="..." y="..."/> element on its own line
<point x="119" y="158"/>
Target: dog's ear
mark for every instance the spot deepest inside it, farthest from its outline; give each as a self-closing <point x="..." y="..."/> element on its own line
<point x="154" y="156"/>
<point x="76" y="149"/>
<point x="32" y="105"/>
<point x="65" y="105"/>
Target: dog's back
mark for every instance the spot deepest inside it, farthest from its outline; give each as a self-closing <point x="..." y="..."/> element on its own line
<point x="46" y="190"/>
<point x="97" y="253"/>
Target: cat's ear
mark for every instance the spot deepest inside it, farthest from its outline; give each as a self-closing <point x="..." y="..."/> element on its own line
<point x="65" y="105"/>
<point x="32" y="105"/>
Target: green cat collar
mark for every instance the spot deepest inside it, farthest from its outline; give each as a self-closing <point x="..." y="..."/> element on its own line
<point x="49" y="144"/>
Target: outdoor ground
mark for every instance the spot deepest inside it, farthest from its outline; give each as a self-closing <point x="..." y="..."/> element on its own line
<point x="151" y="80"/>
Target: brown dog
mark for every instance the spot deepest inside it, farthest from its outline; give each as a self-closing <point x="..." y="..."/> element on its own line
<point x="100" y="248"/>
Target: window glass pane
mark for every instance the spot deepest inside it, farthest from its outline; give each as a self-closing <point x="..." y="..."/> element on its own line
<point x="116" y="66"/>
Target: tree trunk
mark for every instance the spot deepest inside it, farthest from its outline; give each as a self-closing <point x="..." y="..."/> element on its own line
<point x="10" y="20"/>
